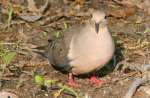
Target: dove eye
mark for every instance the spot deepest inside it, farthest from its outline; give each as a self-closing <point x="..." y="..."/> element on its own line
<point x="105" y="17"/>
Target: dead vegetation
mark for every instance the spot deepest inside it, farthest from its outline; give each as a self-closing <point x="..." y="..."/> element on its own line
<point x="26" y="24"/>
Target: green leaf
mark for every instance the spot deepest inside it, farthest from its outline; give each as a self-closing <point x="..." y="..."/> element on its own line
<point x="66" y="88"/>
<point x="48" y="83"/>
<point x="45" y="34"/>
<point x="39" y="79"/>
<point x="8" y="57"/>
<point x="57" y="34"/>
<point x="147" y="30"/>
<point x="58" y="93"/>
<point x="65" y="25"/>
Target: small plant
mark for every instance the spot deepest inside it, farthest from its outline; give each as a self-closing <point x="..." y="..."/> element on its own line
<point x="66" y="25"/>
<point x="6" y="57"/>
<point x="57" y="34"/>
<point x="10" y="14"/>
<point x="65" y="88"/>
<point x="44" y="34"/>
<point x="147" y="30"/>
<point x="39" y="80"/>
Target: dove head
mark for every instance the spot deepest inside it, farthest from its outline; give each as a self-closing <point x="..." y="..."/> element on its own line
<point x="98" y="20"/>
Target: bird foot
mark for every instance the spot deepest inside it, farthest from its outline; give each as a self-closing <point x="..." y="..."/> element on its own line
<point x="94" y="81"/>
<point x="71" y="81"/>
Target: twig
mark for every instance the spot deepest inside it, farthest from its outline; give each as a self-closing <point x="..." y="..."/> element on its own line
<point x="134" y="86"/>
<point x="138" y="81"/>
<point x="35" y="16"/>
<point x="7" y="43"/>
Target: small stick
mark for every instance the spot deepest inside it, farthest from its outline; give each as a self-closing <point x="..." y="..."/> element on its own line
<point x="138" y="81"/>
<point x="134" y="86"/>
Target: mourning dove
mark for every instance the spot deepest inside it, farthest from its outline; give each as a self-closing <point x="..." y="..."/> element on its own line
<point x="83" y="48"/>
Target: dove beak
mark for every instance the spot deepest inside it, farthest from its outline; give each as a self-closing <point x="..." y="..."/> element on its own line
<point x="97" y="27"/>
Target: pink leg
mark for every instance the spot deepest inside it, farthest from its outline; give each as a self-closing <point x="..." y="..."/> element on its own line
<point x="95" y="81"/>
<point x="71" y="81"/>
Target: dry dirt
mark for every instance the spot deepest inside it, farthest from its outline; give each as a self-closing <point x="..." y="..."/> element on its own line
<point x="129" y="29"/>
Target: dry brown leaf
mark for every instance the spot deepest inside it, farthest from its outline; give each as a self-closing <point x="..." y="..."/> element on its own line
<point x="146" y="6"/>
<point x="148" y="11"/>
<point x="124" y="12"/>
<point x="118" y="13"/>
<point x="140" y="52"/>
<point x="80" y="2"/>
<point x="32" y="6"/>
<point x="130" y="10"/>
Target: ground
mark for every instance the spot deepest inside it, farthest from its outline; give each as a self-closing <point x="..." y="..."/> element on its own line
<point x="128" y="22"/>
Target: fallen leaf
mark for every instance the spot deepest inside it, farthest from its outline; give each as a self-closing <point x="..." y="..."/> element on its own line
<point x="32" y="6"/>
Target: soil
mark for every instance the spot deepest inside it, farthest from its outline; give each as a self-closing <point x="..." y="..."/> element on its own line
<point x="129" y="29"/>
